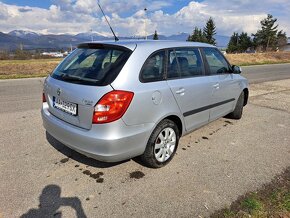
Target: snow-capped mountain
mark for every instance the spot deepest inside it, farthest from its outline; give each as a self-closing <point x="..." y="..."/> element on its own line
<point x="24" y="34"/>
<point x="88" y="36"/>
<point x="31" y="40"/>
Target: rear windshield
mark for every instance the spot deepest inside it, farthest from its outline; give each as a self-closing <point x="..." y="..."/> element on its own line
<point x="92" y="65"/>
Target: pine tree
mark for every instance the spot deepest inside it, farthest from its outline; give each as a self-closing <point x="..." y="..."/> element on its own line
<point x="197" y="36"/>
<point x="209" y="31"/>
<point x="233" y="43"/>
<point x="245" y="42"/>
<point x="281" y="39"/>
<point x="239" y="43"/>
<point x="266" y="37"/>
<point x="155" y="36"/>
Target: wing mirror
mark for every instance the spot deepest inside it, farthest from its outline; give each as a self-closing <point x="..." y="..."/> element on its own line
<point x="236" y="69"/>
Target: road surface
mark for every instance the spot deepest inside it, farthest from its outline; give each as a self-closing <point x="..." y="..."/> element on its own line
<point x="263" y="73"/>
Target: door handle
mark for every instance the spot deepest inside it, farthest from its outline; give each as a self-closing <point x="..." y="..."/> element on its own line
<point x="180" y="91"/>
<point x="217" y="85"/>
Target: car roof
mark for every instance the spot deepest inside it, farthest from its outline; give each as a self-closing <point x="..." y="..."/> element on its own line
<point x="151" y="44"/>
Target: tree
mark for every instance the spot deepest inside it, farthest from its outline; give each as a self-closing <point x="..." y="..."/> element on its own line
<point x="206" y="35"/>
<point x="155" y="36"/>
<point x="197" y="36"/>
<point x="245" y="42"/>
<point x="266" y="37"/>
<point x="281" y="39"/>
<point x="233" y="43"/>
<point x="239" y="43"/>
<point x="209" y="31"/>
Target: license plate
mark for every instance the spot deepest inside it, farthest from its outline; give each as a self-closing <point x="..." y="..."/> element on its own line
<point x="65" y="106"/>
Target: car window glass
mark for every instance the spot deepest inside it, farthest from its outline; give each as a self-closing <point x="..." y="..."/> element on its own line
<point x="92" y="66"/>
<point x="217" y="63"/>
<point x="173" y="67"/>
<point x="153" y="69"/>
<point x="185" y="62"/>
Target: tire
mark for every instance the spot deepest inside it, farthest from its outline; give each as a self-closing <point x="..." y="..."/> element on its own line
<point x="238" y="112"/>
<point x="162" y="144"/>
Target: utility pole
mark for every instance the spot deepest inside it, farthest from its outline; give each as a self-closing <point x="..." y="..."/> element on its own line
<point x="145" y="30"/>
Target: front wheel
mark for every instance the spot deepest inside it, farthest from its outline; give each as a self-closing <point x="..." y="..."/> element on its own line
<point x="238" y="112"/>
<point x="161" y="145"/>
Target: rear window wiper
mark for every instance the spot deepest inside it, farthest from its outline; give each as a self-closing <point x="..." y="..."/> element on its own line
<point x="68" y="77"/>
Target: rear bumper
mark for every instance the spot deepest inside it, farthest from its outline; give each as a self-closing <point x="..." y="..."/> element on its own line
<point x="110" y="142"/>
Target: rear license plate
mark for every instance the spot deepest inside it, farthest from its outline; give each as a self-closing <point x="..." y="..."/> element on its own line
<point x="65" y="106"/>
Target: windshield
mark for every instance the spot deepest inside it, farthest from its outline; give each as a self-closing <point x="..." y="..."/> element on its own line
<point x="92" y="66"/>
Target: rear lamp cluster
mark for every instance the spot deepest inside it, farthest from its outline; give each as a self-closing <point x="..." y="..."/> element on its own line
<point x="112" y="106"/>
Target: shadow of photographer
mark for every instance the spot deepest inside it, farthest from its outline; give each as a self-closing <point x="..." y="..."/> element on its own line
<point x="50" y="202"/>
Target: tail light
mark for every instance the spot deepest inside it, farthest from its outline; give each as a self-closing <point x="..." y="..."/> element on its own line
<point x="112" y="106"/>
<point x="43" y="98"/>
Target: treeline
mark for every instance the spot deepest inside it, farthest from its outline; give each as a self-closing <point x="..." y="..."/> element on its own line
<point x="267" y="38"/>
<point x="205" y="35"/>
<point x="23" y="55"/>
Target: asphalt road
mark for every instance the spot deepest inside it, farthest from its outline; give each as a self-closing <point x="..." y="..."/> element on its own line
<point x="263" y="73"/>
<point x="213" y="166"/>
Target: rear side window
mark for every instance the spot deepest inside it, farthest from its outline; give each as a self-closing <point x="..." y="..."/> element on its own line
<point x="217" y="63"/>
<point x="153" y="68"/>
<point x="184" y="62"/>
<point x="92" y="66"/>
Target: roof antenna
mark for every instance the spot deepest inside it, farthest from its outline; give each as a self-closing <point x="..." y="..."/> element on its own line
<point x="116" y="38"/>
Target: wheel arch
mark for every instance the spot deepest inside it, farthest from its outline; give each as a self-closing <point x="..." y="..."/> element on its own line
<point x="177" y="121"/>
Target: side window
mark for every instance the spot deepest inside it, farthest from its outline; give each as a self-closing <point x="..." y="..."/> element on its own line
<point x="173" y="70"/>
<point x="110" y="58"/>
<point x="153" y="69"/>
<point x="184" y="62"/>
<point x="217" y="63"/>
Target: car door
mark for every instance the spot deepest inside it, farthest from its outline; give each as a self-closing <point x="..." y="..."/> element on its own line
<point x="190" y="87"/>
<point x="222" y="81"/>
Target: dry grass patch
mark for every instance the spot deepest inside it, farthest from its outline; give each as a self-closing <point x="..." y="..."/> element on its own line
<point x="27" y="68"/>
<point x="259" y="58"/>
<point x="11" y="69"/>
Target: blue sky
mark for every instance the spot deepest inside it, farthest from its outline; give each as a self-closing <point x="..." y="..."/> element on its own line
<point x="32" y="3"/>
<point x="128" y="17"/>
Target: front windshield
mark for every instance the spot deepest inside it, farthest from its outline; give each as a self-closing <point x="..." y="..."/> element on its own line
<point x="92" y="66"/>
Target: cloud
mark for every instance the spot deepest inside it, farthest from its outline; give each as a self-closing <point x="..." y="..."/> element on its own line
<point x="128" y="17"/>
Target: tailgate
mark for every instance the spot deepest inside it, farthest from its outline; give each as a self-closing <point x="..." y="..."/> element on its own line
<point x="73" y="103"/>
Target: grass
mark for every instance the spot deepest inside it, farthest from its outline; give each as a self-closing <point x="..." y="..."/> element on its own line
<point x="21" y="76"/>
<point x="272" y="200"/>
<point x="259" y="58"/>
<point x="11" y="69"/>
<point x="252" y="204"/>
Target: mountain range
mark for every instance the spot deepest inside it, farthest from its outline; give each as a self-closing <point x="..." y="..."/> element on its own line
<point x="17" y="39"/>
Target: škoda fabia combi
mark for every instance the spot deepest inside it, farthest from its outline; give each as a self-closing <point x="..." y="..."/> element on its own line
<point x="116" y="100"/>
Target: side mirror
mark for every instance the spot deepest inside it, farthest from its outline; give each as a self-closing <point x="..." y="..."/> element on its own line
<point x="236" y="69"/>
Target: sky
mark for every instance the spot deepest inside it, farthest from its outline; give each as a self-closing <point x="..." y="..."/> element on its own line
<point x="128" y="17"/>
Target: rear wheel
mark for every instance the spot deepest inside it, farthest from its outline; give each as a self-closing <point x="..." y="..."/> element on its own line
<point x="161" y="145"/>
<point x="238" y="112"/>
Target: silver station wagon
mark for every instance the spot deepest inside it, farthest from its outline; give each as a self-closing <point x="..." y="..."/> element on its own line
<point x="117" y="100"/>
